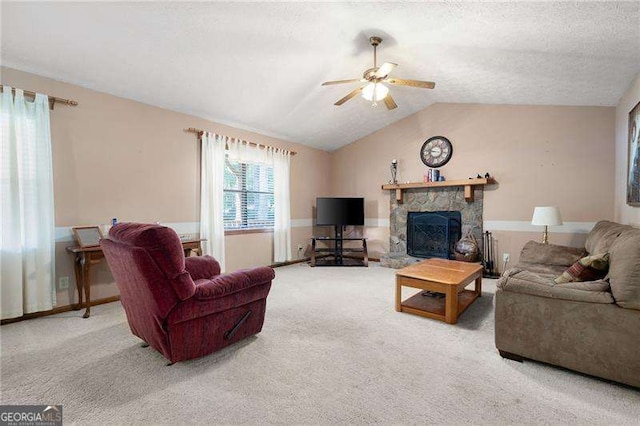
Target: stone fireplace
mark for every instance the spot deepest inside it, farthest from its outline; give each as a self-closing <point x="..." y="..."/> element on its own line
<point x="449" y="202"/>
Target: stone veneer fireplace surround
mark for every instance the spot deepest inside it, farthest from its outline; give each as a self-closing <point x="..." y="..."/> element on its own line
<point x="429" y="199"/>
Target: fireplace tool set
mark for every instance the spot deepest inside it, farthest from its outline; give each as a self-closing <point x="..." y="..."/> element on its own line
<point x="488" y="260"/>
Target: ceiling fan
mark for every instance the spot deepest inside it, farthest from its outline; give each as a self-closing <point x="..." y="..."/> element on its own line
<point x="375" y="90"/>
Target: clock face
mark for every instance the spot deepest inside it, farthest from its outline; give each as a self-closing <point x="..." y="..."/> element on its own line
<point x="436" y="151"/>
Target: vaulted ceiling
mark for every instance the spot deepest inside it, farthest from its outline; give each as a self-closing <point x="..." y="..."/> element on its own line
<point x="259" y="66"/>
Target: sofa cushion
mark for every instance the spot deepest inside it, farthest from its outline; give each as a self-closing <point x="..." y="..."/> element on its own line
<point x="550" y="254"/>
<point x="624" y="269"/>
<point x="551" y="271"/>
<point x="603" y="235"/>
<point x="588" y="268"/>
<point x="526" y="282"/>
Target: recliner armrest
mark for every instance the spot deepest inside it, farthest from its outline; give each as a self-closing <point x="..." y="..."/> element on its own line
<point x="551" y="254"/>
<point x="223" y="285"/>
<point x="202" y="267"/>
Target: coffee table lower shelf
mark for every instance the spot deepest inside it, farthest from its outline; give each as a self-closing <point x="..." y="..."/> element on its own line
<point x="434" y="307"/>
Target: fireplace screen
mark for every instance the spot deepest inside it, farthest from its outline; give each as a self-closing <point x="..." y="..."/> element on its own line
<point x="433" y="234"/>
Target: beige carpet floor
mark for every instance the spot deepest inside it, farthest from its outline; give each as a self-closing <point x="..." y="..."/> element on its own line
<point x="332" y="351"/>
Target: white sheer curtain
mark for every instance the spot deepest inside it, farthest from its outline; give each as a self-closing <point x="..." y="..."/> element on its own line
<point x="27" y="239"/>
<point x="281" y="160"/>
<point x="245" y="153"/>
<point x="212" y="196"/>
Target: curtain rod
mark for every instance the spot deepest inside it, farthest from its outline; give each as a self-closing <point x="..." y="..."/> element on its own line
<point x="199" y="132"/>
<point x="52" y="99"/>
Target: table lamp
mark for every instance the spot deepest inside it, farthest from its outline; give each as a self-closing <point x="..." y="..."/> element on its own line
<point x="546" y="216"/>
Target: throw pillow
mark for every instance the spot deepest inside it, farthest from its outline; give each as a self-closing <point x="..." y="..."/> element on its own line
<point x="588" y="268"/>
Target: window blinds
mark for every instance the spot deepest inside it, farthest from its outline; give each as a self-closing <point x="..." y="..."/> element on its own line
<point x="248" y="195"/>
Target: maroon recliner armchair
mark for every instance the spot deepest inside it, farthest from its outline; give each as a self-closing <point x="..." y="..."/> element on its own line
<point x="181" y="306"/>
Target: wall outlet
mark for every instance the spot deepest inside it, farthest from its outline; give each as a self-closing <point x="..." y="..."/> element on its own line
<point x="505" y="257"/>
<point x="63" y="283"/>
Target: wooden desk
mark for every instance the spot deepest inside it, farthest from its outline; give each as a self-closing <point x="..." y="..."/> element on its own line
<point x="86" y="257"/>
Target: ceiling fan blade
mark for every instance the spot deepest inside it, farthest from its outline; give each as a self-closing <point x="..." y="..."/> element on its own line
<point x="411" y="83"/>
<point x="349" y="96"/>
<point x="328" y="83"/>
<point x="385" y="69"/>
<point x="389" y="102"/>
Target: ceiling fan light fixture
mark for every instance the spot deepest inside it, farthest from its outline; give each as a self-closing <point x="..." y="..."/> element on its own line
<point x="375" y="92"/>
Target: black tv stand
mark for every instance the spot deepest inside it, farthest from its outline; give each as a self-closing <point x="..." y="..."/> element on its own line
<point x="337" y="257"/>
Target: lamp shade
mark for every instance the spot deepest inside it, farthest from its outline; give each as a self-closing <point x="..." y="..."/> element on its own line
<point x="375" y="90"/>
<point x="547" y="216"/>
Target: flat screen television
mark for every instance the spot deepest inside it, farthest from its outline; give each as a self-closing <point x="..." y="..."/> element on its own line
<point x="339" y="211"/>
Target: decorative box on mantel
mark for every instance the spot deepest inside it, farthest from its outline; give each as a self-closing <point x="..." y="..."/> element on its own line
<point x="465" y="196"/>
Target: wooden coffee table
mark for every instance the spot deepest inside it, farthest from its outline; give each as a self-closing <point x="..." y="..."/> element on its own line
<point x="449" y="277"/>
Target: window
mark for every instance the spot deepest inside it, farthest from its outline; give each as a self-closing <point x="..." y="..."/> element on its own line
<point x="248" y="196"/>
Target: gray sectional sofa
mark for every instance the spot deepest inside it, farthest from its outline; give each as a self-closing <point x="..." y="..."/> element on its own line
<point x="591" y="327"/>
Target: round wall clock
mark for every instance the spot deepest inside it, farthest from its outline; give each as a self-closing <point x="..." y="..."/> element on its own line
<point x="436" y="151"/>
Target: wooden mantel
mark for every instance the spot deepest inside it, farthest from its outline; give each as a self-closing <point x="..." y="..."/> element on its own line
<point x="468" y="185"/>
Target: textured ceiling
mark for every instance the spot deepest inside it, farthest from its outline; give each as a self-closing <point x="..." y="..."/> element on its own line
<point x="259" y="66"/>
